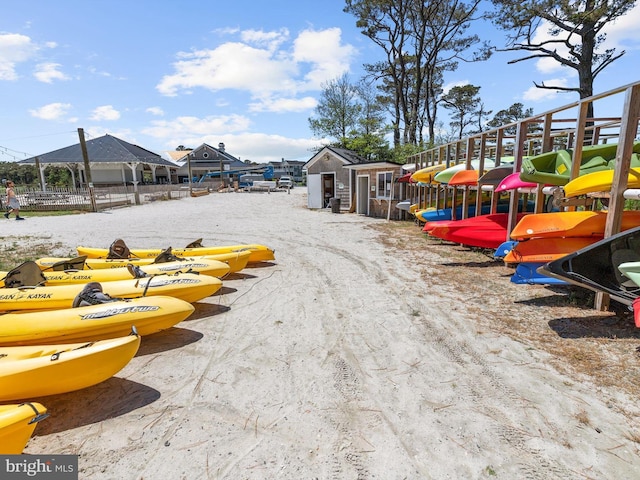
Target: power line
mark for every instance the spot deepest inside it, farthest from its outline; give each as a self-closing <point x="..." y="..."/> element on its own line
<point x="9" y="152"/>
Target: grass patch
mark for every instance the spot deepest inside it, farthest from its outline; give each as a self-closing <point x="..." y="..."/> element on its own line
<point x="17" y="250"/>
<point x="53" y="213"/>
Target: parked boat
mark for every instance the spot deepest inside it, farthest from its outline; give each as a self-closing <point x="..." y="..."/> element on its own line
<point x="513" y="182"/>
<point x="464" y="178"/>
<point x="17" y="423"/>
<point x="554" y="168"/>
<point x="596" y="267"/>
<point x="484" y="231"/>
<point x="257" y="252"/>
<point x="236" y="261"/>
<point x="547" y="249"/>
<point x="445" y="175"/>
<point x="494" y="176"/>
<point x="40" y="370"/>
<point x="527" y="273"/>
<point x="440" y="214"/>
<point x="504" y="249"/>
<point x="93" y="322"/>
<point x="189" y="287"/>
<point x="569" y="224"/>
<point x="598" y="182"/>
<point x="212" y="268"/>
<point x="427" y="174"/>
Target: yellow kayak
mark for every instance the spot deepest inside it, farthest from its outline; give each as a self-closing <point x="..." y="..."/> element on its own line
<point x="427" y="174"/>
<point x="601" y="181"/>
<point x="257" y="252"/>
<point x="189" y="287"/>
<point x="93" y="322"/>
<point x="235" y="261"/>
<point x="212" y="268"/>
<point x="40" y="370"/>
<point x="17" y="423"/>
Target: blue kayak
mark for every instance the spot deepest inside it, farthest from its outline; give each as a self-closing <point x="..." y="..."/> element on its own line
<point x="527" y="274"/>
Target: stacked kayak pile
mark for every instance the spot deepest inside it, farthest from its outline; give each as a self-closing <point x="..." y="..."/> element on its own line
<point x="71" y="323"/>
<point x="550" y="248"/>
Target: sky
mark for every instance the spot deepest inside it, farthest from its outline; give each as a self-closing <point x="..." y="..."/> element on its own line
<point x="247" y="73"/>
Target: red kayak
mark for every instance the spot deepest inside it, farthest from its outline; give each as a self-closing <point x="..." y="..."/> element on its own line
<point x="485" y="231"/>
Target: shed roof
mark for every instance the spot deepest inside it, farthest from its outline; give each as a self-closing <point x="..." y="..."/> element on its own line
<point x="373" y="165"/>
<point x="105" y="149"/>
<point x="347" y="157"/>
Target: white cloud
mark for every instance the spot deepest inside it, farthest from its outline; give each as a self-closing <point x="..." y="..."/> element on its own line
<point x="48" y="72"/>
<point x="536" y="94"/>
<point x="257" y="147"/>
<point x="155" y="111"/>
<point x="324" y="51"/>
<point x="52" y="111"/>
<point x="271" y="40"/>
<point x="457" y="83"/>
<point x="621" y="34"/>
<point x="263" y="148"/>
<point x="14" y="49"/>
<point x="230" y="66"/>
<point x="624" y="32"/>
<point x="283" y="105"/>
<point x="262" y="65"/>
<point x="232" y="131"/>
<point x="105" y="112"/>
<point x="182" y="127"/>
<point x="96" y="131"/>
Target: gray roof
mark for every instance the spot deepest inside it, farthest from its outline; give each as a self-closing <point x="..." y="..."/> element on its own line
<point x="347" y="154"/>
<point x="105" y="149"/>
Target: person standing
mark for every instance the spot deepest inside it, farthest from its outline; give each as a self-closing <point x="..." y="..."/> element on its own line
<point x="12" y="202"/>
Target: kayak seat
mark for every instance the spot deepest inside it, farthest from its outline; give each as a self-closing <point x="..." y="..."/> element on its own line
<point x="195" y="244"/>
<point x="166" y="256"/>
<point x="73" y="264"/>
<point x="92" y="294"/>
<point x="27" y="274"/>
<point x="118" y="249"/>
<point x="618" y="257"/>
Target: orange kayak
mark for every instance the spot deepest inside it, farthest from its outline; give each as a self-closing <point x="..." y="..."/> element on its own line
<point x="543" y="250"/>
<point x="569" y="224"/>
<point x="464" y="177"/>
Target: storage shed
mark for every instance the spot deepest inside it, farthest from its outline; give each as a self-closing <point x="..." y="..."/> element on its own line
<point x="377" y="190"/>
<point x="327" y="178"/>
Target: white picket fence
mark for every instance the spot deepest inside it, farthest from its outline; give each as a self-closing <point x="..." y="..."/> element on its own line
<point x="100" y="198"/>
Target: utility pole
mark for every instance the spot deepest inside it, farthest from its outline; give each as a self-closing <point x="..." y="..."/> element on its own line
<point x="87" y="169"/>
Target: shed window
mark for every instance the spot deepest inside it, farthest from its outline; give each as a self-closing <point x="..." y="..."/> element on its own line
<point x="384" y="185"/>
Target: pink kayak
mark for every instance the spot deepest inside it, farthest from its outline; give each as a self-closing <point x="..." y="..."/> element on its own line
<point x="513" y="182"/>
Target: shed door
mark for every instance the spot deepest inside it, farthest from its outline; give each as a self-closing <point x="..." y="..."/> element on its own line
<point x="362" y="195"/>
<point x="314" y="191"/>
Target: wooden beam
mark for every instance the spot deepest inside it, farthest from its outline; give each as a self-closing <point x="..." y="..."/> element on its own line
<point x="628" y="130"/>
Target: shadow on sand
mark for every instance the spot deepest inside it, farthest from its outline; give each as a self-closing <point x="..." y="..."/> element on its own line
<point x="165" y="340"/>
<point x="597" y="326"/>
<point x="109" y="399"/>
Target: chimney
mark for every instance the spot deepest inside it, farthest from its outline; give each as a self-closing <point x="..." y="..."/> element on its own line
<point x="221" y="147"/>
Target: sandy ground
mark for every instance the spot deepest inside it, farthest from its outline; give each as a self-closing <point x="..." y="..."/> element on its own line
<point x="340" y="360"/>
